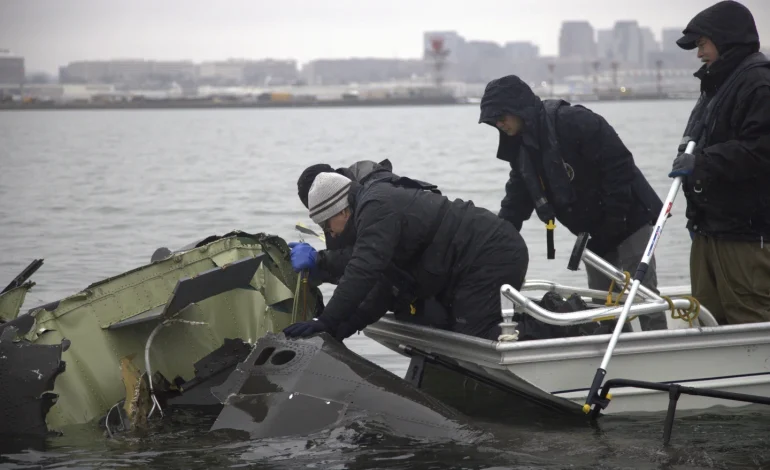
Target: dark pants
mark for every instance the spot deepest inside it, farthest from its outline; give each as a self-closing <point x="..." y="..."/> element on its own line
<point x="626" y="257"/>
<point x="475" y="307"/>
<point x="731" y="279"/>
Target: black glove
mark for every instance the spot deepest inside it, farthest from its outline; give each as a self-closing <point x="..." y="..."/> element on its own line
<point x="683" y="166"/>
<point x="306" y="328"/>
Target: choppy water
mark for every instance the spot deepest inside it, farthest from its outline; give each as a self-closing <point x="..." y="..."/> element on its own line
<point x="94" y="193"/>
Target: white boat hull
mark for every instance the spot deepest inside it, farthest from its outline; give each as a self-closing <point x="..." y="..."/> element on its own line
<point x="733" y="358"/>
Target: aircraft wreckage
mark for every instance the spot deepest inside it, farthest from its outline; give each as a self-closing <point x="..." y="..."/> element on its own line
<point x="196" y="328"/>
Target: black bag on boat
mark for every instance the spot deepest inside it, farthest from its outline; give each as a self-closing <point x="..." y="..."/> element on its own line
<point x="531" y="328"/>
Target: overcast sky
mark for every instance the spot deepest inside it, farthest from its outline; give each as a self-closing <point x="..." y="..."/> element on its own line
<point x="50" y="33"/>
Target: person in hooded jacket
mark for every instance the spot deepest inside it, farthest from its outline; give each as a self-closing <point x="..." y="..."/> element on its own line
<point x="396" y="287"/>
<point x="569" y="165"/>
<point x="726" y="178"/>
<point x="456" y="252"/>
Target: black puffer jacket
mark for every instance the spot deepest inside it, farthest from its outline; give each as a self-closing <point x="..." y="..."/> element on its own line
<point x="423" y="233"/>
<point x="571" y="157"/>
<point x="728" y="195"/>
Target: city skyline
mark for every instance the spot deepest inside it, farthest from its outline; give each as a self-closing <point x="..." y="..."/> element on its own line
<point x="50" y="34"/>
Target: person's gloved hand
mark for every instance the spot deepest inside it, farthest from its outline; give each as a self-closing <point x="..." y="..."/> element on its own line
<point x="303" y="256"/>
<point x="305" y="329"/>
<point x="692" y="235"/>
<point x="684" y="164"/>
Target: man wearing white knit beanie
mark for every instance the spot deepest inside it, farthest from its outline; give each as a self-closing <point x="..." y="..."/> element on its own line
<point x="456" y="252"/>
<point x="328" y="202"/>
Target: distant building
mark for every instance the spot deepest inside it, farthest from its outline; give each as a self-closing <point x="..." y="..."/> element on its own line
<point x="577" y="40"/>
<point x="521" y="51"/>
<point x="174" y="70"/>
<point x="229" y="72"/>
<point x="605" y="44"/>
<point x="670" y="35"/>
<point x="11" y="68"/>
<point x="125" y="71"/>
<point x="649" y="44"/>
<point x="361" y="70"/>
<point x="271" y="72"/>
<point x="628" y="43"/>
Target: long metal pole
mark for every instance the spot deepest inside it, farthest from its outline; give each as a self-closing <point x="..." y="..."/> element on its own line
<point x="593" y="394"/>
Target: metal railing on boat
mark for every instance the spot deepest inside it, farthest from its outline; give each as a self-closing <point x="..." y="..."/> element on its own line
<point x="648" y="301"/>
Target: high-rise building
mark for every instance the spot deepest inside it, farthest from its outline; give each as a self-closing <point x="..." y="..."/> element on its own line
<point x="577" y="40"/>
<point x="11" y="68"/>
<point x="649" y="44"/>
<point x="628" y="43"/>
<point x="670" y="35"/>
<point x="519" y="51"/>
<point x="605" y="45"/>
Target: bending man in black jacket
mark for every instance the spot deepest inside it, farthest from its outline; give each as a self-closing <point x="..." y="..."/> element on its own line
<point x="327" y="266"/>
<point x="455" y="252"/>
<point x="568" y="164"/>
<point x="727" y="177"/>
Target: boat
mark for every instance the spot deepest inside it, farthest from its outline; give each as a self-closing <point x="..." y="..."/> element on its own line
<point x="148" y="326"/>
<point x="718" y="365"/>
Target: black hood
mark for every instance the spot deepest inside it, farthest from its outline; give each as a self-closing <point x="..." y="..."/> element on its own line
<point x="307" y="177"/>
<point x="727" y="24"/>
<point x="510" y="95"/>
<point x="355" y="172"/>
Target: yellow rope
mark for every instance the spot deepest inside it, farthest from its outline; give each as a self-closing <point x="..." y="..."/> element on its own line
<point x="688" y="314"/>
<point x="616" y="302"/>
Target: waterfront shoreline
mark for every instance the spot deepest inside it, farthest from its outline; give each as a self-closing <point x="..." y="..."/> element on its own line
<point x="208" y="103"/>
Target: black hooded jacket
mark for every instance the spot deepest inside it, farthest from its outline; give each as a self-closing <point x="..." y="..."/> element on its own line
<point x="569" y="162"/>
<point x="728" y="195"/>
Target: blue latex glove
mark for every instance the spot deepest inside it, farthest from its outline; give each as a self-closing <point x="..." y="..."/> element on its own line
<point x="304" y="329"/>
<point x="303" y="256"/>
<point x="692" y="235"/>
<point x="684" y="164"/>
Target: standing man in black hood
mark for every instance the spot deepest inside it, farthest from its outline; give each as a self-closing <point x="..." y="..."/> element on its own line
<point x="569" y="164"/>
<point x="727" y="176"/>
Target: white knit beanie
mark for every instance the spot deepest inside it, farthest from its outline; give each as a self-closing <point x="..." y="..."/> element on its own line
<point x="328" y="196"/>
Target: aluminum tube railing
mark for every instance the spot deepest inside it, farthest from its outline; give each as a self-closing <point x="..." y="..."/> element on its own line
<point x="584" y="316"/>
<point x="614" y="273"/>
<point x="550" y="286"/>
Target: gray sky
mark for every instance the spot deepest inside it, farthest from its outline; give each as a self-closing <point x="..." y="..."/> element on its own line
<point x="50" y="33"/>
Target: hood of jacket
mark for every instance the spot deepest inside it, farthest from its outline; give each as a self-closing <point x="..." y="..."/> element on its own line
<point x="511" y="95"/>
<point x="727" y="23"/>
